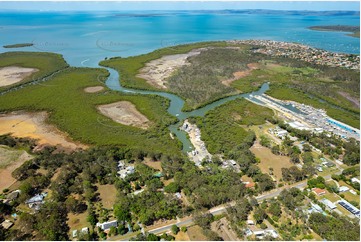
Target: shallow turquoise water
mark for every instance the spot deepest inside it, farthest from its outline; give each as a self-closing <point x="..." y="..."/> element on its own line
<point x="84" y="39"/>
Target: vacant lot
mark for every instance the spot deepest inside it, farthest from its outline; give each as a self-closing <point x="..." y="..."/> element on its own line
<point x="107" y="195"/>
<point x="195" y="233"/>
<point x="10" y="159"/>
<point x="153" y="164"/>
<point x="77" y="221"/>
<point x="12" y="74"/>
<point x="125" y="113"/>
<point x="33" y="125"/>
<point x="182" y="236"/>
<point x="268" y="160"/>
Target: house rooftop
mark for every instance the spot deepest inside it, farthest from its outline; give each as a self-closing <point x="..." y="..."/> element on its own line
<point x="319" y="191"/>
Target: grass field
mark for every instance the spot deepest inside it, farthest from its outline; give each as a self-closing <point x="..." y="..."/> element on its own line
<point x="77" y="221"/>
<point x="74" y="111"/>
<point x="107" y="194"/>
<point x="10" y="159"/>
<point x="47" y="63"/>
<point x="153" y="164"/>
<point x="195" y="233"/>
<point x="182" y="236"/>
<point x="270" y="160"/>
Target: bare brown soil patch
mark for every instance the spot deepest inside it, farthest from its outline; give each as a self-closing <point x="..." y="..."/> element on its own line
<point x="126" y="113"/>
<point x="34" y="126"/>
<point x="241" y="74"/>
<point x="10" y="159"/>
<point x="93" y="89"/>
<point x="157" y="71"/>
<point x="12" y="74"/>
<point x="355" y="101"/>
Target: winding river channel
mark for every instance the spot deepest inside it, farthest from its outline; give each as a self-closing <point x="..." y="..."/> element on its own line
<point x="176" y="104"/>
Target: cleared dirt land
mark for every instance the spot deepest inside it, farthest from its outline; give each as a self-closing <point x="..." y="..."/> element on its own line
<point x="240" y="74"/>
<point x="126" y="113"/>
<point x="93" y="89"/>
<point x="157" y="71"/>
<point x="12" y="74"/>
<point x="33" y="125"/>
<point x="10" y="159"/>
<point x="268" y="160"/>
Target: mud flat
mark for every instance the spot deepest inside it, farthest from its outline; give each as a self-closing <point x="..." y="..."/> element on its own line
<point x="34" y="126"/>
<point x="157" y="71"/>
<point x="13" y="74"/>
<point x="93" y="89"/>
<point x="126" y="113"/>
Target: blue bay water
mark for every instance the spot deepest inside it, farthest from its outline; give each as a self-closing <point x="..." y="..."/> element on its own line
<point x="86" y="38"/>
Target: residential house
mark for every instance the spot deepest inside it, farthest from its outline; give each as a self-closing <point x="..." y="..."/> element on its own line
<point x="319" y="191"/>
<point x="107" y="225"/>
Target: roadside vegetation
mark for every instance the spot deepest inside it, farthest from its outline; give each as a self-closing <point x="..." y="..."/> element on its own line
<point x="74" y="111"/>
<point x="46" y="63"/>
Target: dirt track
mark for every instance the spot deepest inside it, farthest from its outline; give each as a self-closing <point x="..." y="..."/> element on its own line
<point x="12" y="74"/>
<point x="125" y="112"/>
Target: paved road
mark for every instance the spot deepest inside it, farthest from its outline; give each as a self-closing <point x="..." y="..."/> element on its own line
<point x="222" y="208"/>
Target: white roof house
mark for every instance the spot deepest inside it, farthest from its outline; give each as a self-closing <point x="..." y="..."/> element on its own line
<point x="355" y="180"/>
<point x="107" y="225"/>
<point x="328" y="203"/>
<point x="250" y="222"/>
<point x="343" y="189"/>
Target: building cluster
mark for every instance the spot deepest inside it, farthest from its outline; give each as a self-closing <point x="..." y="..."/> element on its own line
<point x="259" y="233"/>
<point x="124" y="170"/>
<point x="305" y="117"/>
<point x="305" y="53"/>
<point x="37" y="201"/>
<point x="200" y="152"/>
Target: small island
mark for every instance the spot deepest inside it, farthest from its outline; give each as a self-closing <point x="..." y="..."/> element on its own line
<point x="18" y="45"/>
<point x="354" y="30"/>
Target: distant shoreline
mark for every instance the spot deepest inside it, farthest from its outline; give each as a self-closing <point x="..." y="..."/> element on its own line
<point x="355" y="30"/>
<point x="18" y="45"/>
